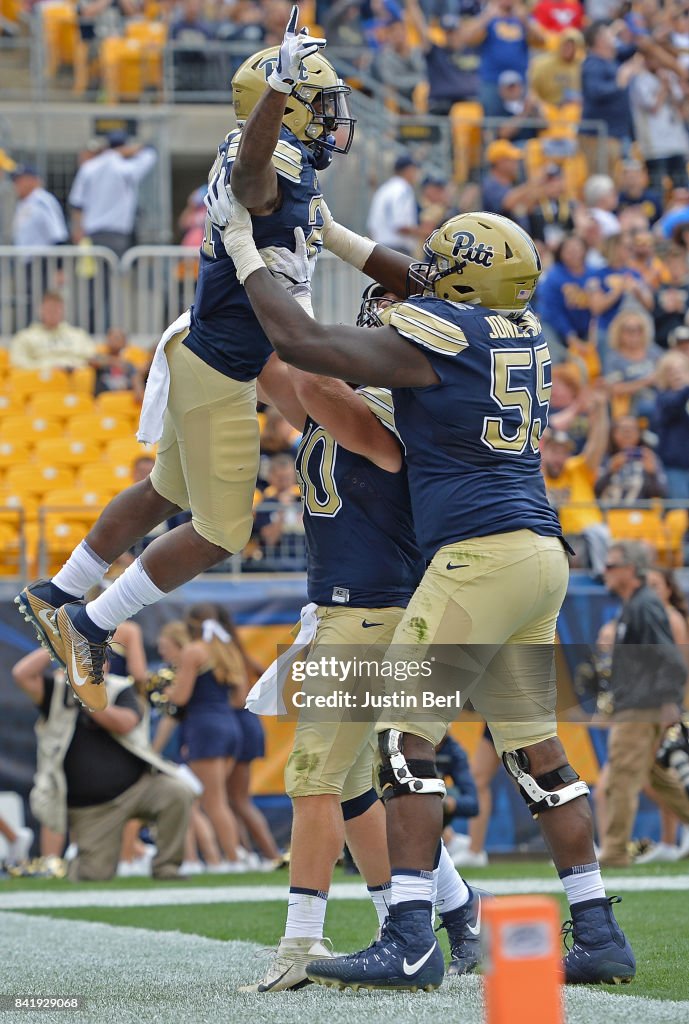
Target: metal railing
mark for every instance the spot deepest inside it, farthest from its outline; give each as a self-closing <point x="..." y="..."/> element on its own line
<point x="142" y="293"/>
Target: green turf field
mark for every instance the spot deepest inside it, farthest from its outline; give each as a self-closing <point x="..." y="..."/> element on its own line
<point x="657" y="921"/>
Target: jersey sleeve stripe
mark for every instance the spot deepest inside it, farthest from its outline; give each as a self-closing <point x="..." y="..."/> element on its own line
<point x="379" y="401"/>
<point x="429" y="330"/>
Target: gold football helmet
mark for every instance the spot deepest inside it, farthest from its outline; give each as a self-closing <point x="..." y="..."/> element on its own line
<point x="316" y="110"/>
<point x="479" y="258"/>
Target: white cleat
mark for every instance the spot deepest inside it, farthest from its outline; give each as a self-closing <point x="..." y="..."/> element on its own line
<point x="287" y="970"/>
<point x="469" y="859"/>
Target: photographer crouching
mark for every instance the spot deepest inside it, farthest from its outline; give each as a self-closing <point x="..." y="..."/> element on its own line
<point x="96" y="771"/>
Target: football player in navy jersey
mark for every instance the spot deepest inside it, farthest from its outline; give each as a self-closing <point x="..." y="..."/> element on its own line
<point x="470" y="376"/>
<point x="354" y="486"/>
<point x="208" y="454"/>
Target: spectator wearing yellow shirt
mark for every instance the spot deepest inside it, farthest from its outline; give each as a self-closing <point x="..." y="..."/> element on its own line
<point x="51" y="343"/>
<point x="570" y="480"/>
<point x="556" y="77"/>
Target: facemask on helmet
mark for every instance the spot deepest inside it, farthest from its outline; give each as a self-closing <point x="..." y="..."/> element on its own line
<point x="374" y="300"/>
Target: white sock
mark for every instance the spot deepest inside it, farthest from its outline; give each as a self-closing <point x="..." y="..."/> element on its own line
<point x="127" y="595"/>
<point x="82" y="570"/>
<point x="452" y="891"/>
<point x="583" y="882"/>
<point x="380" y="896"/>
<point x="306" y="913"/>
<point x="407" y="885"/>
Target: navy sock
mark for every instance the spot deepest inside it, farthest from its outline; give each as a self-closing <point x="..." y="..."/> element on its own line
<point x="59" y="597"/>
<point x="89" y="629"/>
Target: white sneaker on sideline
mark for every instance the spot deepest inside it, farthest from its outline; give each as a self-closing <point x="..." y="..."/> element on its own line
<point x="287" y="969"/>
<point x="661" y="853"/>
<point x="683" y="842"/>
<point x="469" y="859"/>
<point x="458" y="844"/>
<point x="191" y="867"/>
<point x="18" y="851"/>
<point x="227" y="867"/>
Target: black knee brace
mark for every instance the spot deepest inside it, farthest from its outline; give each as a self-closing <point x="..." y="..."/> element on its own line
<point x="399" y="777"/>
<point x="538" y="792"/>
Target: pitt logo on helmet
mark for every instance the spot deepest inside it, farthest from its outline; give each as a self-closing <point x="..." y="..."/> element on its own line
<point x="269" y="64"/>
<point x="465" y="247"/>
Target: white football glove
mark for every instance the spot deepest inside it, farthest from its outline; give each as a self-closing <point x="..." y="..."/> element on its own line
<point x="293" y="270"/>
<point x="294" y="48"/>
<point x="219" y="200"/>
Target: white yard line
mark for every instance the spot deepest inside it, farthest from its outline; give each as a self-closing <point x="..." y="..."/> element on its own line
<point x="170" y="895"/>
<point x="131" y="975"/>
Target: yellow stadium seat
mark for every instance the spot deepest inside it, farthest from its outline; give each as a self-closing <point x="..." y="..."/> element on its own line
<point x="59" y="535"/>
<point x="118" y="403"/>
<point x="74" y="505"/>
<point x="4" y="358"/>
<point x="137" y="355"/>
<point x="466" y="119"/>
<point x="82" y="380"/>
<point x="60" y="35"/>
<point x="127" y="450"/>
<point x="11" y="548"/>
<point x="637" y="524"/>
<point x="11" y="404"/>
<point x="99" y="428"/>
<point x="153" y="36"/>
<point x="104" y="478"/>
<point x="676" y="523"/>
<point x="13" y="503"/>
<point x="420" y="97"/>
<point x="124" y="68"/>
<point x="63" y="407"/>
<point x="66" y="451"/>
<point x="13" y="453"/>
<point x="38" y="481"/>
<point x="29" y="428"/>
<point x="28" y="383"/>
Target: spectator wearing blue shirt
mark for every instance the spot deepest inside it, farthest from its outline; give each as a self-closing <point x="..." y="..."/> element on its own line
<point x="451" y="69"/>
<point x="501" y="191"/>
<point x="452" y="763"/>
<point x="605" y="91"/>
<point x="671" y="415"/>
<point x="502" y="33"/>
<point x="631" y="361"/>
<point x="564" y="299"/>
<point x="616" y="286"/>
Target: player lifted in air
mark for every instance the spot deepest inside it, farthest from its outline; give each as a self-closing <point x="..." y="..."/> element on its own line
<point x="363" y="565"/>
<point x="201" y="394"/>
<point x="470" y="375"/>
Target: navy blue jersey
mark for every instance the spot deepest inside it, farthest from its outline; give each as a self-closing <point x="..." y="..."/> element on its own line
<point x="224" y="330"/>
<point x="471" y="440"/>
<point x="360" y="542"/>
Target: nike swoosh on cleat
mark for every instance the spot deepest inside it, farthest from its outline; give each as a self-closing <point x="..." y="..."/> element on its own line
<point x="77" y="679"/>
<point x="410" y="969"/>
<point x="46" y="620"/>
<point x="458" y="565"/>
<point x="367" y="625"/>
<point x="476" y="929"/>
<point x="267" y="988"/>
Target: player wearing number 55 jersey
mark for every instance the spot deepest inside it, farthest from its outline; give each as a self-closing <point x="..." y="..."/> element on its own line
<point x="363" y="564"/>
<point x="469" y="372"/>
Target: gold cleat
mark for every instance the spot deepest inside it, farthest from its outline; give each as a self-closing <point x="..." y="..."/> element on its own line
<point x="84" y="660"/>
<point x="37" y="610"/>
